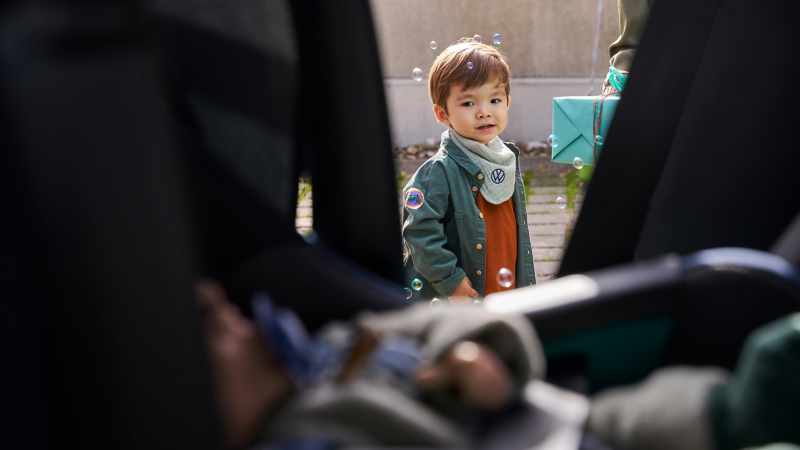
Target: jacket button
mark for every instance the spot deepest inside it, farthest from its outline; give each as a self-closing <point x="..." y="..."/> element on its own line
<point x="481" y="215"/>
<point x="479" y="246"/>
<point x="474" y="188"/>
<point x="479" y="272"/>
<point x="480" y="176"/>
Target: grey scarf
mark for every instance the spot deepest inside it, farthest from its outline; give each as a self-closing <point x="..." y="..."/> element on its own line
<point x="496" y="161"/>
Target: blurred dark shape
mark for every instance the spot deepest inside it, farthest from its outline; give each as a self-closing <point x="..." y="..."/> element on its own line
<point x="97" y="245"/>
<point x="121" y="189"/>
<point x="697" y="310"/>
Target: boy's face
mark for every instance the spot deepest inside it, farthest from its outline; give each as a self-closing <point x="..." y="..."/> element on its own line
<point x="480" y="113"/>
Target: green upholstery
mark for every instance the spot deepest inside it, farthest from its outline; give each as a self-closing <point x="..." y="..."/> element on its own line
<point x="618" y="353"/>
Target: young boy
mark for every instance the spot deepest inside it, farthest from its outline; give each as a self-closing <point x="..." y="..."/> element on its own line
<point x="469" y="236"/>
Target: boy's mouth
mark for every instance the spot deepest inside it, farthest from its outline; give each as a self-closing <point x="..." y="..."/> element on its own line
<point x="486" y="127"/>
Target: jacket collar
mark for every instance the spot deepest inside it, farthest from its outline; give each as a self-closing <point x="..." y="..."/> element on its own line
<point x="455" y="152"/>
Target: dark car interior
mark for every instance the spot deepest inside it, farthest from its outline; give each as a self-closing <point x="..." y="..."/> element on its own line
<point x="145" y="144"/>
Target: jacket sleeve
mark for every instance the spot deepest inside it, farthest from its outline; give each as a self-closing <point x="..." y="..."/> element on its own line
<point x="632" y="19"/>
<point x="424" y="233"/>
<point x="666" y="411"/>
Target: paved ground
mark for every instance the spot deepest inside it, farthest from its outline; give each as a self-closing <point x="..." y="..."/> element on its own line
<point x="546" y="222"/>
<point x="304" y="219"/>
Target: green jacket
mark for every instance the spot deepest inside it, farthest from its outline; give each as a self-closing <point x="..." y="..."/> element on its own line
<point x="443" y="234"/>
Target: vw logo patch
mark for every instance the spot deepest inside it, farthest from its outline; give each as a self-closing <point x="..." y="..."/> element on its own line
<point x="498" y="176"/>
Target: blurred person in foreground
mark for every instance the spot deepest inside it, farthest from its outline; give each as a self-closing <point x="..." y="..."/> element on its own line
<point x="414" y="377"/>
<point x="424" y="378"/>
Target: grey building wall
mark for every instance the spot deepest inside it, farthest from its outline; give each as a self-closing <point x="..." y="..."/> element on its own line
<point x="529" y="118"/>
<point x="548" y="43"/>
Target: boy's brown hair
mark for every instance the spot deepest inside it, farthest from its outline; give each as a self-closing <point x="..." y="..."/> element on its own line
<point x="450" y="69"/>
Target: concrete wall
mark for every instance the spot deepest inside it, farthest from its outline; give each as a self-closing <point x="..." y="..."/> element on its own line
<point x="548" y="42"/>
<point x="529" y="118"/>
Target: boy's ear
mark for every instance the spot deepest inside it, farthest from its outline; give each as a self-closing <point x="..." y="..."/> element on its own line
<point x="509" y="102"/>
<point x="441" y="115"/>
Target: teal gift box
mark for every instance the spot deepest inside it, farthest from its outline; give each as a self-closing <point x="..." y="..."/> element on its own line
<point x="574" y="122"/>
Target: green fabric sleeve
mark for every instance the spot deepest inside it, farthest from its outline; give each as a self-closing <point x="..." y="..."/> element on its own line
<point x="666" y="411"/>
<point x="424" y="234"/>
<point x="761" y="404"/>
<point x="632" y="19"/>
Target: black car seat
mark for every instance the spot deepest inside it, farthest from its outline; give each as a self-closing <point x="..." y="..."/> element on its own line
<point x="118" y="196"/>
<point x="257" y="100"/>
<point x="672" y="180"/>
<point x="686" y="165"/>
<point x="102" y="343"/>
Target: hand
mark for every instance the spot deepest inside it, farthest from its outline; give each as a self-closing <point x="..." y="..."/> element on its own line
<point x="248" y="383"/>
<point x="463" y="292"/>
<point x="475" y="371"/>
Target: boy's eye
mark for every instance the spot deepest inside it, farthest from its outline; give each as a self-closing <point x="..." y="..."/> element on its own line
<point x="496" y="100"/>
<point x="467" y="104"/>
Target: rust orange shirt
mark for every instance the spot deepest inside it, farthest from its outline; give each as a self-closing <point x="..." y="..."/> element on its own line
<point x="501" y="241"/>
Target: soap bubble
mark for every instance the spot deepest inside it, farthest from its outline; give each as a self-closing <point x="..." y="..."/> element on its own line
<point x="598" y="140"/>
<point x="416" y="284"/>
<point x="552" y="140"/>
<point x="477" y="38"/>
<point x="469" y="65"/>
<point x="561" y="203"/>
<point x="408" y="293"/>
<point x="414" y="198"/>
<point x="497" y="39"/>
<point x="434" y="45"/>
<point x="476" y="302"/>
<point x="416" y="74"/>
<point x="505" y="277"/>
<point x="577" y="163"/>
<point x="436" y="304"/>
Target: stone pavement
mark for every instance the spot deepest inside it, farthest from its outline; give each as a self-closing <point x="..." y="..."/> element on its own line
<point x="305" y="215"/>
<point x="547" y="223"/>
